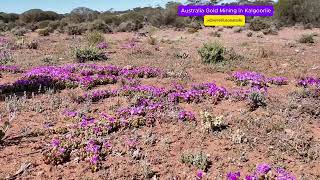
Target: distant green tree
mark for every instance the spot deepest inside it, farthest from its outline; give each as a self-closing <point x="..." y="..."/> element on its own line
<point x="203" y="2"/>
<point x="292" y="11"/>
<point x="256" y="2"/>
<point x="37" y="15"/>
<point x="83" y="14"/>
<point x="6" y="18"/>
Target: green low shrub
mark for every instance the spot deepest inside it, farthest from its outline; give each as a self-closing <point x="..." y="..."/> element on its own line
<point x="75" y="29"/>
<point x="43" y="24"/>
<point x="290" y="12"/>
<point x="89" y="54"/>
<point x="99" y="25"/>
<point x="306" y="38"/>
<point x="19" y="31"/>
<point x="126" y="27"/>
<point x="258" y="24"/>
<point x="199" y="160"/>
<point x="53" y="25"/>
<point x="256" y="100"/>
<point x="212" y="52"/>
<point x="44" y="32"/>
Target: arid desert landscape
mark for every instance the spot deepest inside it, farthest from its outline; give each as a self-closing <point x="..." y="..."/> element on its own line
<point x="161" y="103"/>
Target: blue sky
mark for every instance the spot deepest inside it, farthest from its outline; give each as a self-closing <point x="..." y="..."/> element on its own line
<point x="64" y="6"/>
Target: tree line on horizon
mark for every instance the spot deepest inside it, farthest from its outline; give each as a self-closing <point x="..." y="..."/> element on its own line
<point x="288" y="12"/>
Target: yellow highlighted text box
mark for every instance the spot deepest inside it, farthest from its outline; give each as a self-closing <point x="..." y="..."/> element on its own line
<point x="224" y="20"/>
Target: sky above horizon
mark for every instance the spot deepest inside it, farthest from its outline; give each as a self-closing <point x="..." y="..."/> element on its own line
<point x="65" y="6"/>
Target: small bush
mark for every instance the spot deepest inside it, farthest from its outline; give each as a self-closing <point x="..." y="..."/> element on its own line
<point x="2" y="26"/>
<point x="232" y="55"/>
<point x="49" y="60"/>
<point x="249" y="34"/>
<point x="272" y="31"/>
<point x="89" y="54"/>
<point x="152" y="40"/>
<point x="125" y="27"/>
<point x="62" y="26"/>
<point x="308" y="26"/>
<point x="32" y="27"/>
<point x="195" y="25"/>
<point x="75" y="30"/>
<point x="181" y="55"/>
<point x="199" y="160"/>
<point x="192" y="30"/>
<point x="258" y="24"/>
<point x="306" y="38"/>
<point x="238" y="30"/>
<point x="212" y="52"/>
<point x="99" y="25"/>
<point x="305" y="101"/>
<point x="5" y="127"/>
<point x="19" y="31"/>
<point x="265" y="53"/>
<point x="43" y="24"/>
<point x="260" y="35"/>
<point x="44" y="32"/>
<point x="53" y="25"/>
<point x="5" y="56"/>
<point x="182" y="22"/>
<point x="211" y="123"/>
<point x="9" y="26"/>
<point x="19" y="43"/>
<point x="32" y="45"/>
<point x="137" y="25"/>
<point x="257" y="99"/>
<point x="215" y="34"/>
<point x="93" y="38"/>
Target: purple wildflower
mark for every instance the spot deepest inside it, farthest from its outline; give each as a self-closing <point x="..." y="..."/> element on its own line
<point x="55" y="143"/>
<point x="233" y="176"/>
<point x="102" y="45"/>
<point x="186" y="116"/>
<point x="282" y="174"/>
<point x="94" y="159"/>
<point x="309" y="81"/>
<point x="199" y="175"/>
<point x="132" y="143"/>
<point x="263" y="168"/>
<point x="250" y="177"/>
<point x="62" y="150"/>
<point x="70" y="113"/>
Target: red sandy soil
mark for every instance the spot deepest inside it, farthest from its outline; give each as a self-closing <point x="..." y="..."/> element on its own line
<point x="171" y="139"/>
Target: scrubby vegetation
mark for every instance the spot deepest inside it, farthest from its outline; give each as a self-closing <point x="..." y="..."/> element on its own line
<point x="82" y="19"/>
<point x="89" y="54"/>
<point x="145" y="94"/>
<point x="307" y="38"/>
<point x="212" y="52"/>
<point x="199" y="160"/>
<point x="94" y="38"/>
<point x="290" y="12"/>
<point x="44" y="32"/>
